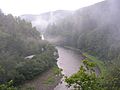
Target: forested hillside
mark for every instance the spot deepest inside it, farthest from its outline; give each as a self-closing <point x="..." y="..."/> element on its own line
<point x="18" y="39"/>
<point x="95" y="30"/>
<point x="41" y="21"/>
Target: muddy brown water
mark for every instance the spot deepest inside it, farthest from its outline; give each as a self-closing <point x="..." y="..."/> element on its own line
<point x="70" y="61"/>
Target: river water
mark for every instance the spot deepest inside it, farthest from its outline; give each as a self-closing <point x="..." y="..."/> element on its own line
<point x="70" y="61"/>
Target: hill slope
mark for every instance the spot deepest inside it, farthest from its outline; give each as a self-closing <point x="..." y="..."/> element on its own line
<point x="95" y="30"/>
<point x="18" y="39"/>
<point x="41" y="21"/>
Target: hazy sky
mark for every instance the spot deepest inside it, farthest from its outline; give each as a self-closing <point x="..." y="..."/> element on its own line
<point x="19" y="7"/>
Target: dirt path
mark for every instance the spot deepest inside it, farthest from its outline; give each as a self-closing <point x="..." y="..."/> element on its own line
<point x="46" y="81"/>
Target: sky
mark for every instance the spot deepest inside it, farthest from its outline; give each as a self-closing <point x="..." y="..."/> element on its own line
<point x="20" y="7"/>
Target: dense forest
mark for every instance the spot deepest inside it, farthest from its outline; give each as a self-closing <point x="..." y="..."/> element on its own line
<point x="94" y="30"/>
<point x="18" y="40"/>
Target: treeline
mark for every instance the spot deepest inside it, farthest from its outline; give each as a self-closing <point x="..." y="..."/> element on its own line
<point x="18" y="39"/>
<point x="95" y="30"/>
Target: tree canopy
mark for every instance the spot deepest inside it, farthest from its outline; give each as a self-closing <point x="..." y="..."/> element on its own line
<point x="19" y="39"/>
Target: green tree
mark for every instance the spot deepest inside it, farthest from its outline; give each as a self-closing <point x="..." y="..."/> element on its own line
<point x="85" y="78"/>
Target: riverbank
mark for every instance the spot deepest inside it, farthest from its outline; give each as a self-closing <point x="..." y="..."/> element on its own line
<point x="101" y="68"/>
<point x="46" y="81"/>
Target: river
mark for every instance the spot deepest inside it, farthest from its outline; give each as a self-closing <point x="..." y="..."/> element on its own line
<point x="70" y="61"/>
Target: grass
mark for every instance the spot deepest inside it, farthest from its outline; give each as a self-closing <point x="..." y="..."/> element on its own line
<point x="99" y="63"/>
<point x="57" y="71"/>
<point x="30" y="88"/>
<point x="47" y="80"/>
<point x="51" y="79"/>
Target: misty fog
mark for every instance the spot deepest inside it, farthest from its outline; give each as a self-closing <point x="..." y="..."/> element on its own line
<point x="61" y="49"/>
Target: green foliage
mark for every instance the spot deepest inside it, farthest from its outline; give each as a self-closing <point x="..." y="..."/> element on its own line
<point x="94" y="33"/>
<point x="112" y="80"/>
<point x="7" y="86"/>
<point x="30" y="68"/>
<point x="49" y="81"/>
<point x="99" y="63"/>
<point x="30" y="88"/>
<point x="19" y="39"/>
<point x="57" y="71"/>
<point x="85" y="78"/>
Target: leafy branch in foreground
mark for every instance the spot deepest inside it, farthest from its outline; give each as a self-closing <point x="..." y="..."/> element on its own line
<point x="85" y="78"/>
